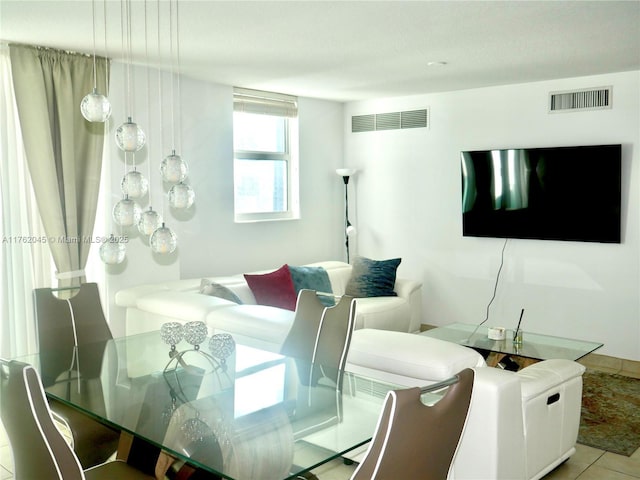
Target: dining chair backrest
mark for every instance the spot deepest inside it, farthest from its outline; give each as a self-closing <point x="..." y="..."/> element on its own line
<point x="320" y="337"/>
<point x="67" y="322"/>
<point x="65" y="326"/>
<point x="413" y="440"/>
<point x="39" y="449"/>
<point x="334" y="337"/>
<point x="304" y="330"/>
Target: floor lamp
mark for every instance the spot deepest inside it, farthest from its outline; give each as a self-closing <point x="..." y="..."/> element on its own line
<point x="349" y="229"/>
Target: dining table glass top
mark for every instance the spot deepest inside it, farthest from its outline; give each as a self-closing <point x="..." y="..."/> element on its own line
<point x="239" y="412"/>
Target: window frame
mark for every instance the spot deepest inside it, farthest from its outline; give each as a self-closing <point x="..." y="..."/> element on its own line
<point x="278" y="105"/>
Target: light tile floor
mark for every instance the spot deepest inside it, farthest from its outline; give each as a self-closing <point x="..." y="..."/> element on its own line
<point x="586" y="464"/>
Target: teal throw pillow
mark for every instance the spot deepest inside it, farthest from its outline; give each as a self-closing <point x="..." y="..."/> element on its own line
<point x="373" y="278"/>
<point x="313" y="278"/>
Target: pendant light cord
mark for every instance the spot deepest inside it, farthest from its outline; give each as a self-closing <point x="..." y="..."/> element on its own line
<point x="93" y="24"/>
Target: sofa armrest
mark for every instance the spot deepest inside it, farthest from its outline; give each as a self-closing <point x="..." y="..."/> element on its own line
<point x="405" y="287"/>
<point x="543" y="376"/>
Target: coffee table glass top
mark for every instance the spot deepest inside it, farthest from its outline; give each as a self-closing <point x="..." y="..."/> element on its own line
<point x="536" y="346"/>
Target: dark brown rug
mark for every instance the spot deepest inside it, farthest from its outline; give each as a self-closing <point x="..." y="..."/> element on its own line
<point x="610" y="412"/>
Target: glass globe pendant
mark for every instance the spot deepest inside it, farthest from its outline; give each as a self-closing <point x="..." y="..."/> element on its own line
<point x="112" y="251"/>
<point x="130" y="137"/>
<point x="134" y="184"/>
<point x="173" y="168"/>
<point x="163" y="240"/>
<point x="150" y="221"/>
<point x="126" y="212"/>
<point x="95" y="107"/>
<point x="181" y="195"/>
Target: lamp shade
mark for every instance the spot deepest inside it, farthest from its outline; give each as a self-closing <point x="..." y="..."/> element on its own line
<point x="346" y="172"/>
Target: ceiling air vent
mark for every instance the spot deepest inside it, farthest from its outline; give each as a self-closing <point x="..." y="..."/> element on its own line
<point x="576" y="100"/>
<point x="390" y="121"/>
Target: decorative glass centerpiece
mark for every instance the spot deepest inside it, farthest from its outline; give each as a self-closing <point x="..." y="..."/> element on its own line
<point x="221" y="345"/>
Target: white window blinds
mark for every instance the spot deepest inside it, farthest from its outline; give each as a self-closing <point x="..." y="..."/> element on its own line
<point x="264" y="103"/>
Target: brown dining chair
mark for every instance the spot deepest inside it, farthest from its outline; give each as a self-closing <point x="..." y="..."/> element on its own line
<point x="39" y="449"/>
<point x="318" y="342"/>
<point x="413" y="440"/>
<point x="64" y="324"/>
<point x="320" y="336"/>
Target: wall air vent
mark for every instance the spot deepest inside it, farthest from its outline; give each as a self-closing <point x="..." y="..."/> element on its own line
<point x="363" y="123"/>
<point x="390" y="121"/>
<point x="579" y="100"/>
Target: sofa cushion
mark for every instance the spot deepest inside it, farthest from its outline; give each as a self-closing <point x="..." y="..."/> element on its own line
<point x="186" y="306"/>
<point x="313" y="278"/>
<point x="208" y="287"/>
<point x="383" y="313"/>
<point x="274" y="289"/>
<point x="373" y="278"/>
<point x="262" y="324"/>
<point x="406" y="356"/>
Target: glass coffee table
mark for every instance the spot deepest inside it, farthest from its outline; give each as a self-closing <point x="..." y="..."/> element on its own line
<point x="535" y="347"/>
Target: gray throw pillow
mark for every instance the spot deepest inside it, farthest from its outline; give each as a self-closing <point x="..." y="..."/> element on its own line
<point x="214" y="289"/>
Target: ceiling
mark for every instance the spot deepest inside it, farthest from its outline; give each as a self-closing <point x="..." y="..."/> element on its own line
<point x="344" y="50"/>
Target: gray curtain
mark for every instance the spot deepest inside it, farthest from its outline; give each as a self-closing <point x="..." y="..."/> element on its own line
<point x="64" y="151"/>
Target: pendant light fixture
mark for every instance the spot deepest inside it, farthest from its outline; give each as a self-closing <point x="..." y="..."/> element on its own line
<point x="129" y="136"/>
<point x="173" y="168"/>
<point x="181" y="196"/>
<point x="126" y="212"/>
<point x="95" y="107"/>
<point x="150" y="220"/>
<point x="134" y="184"/>
<point x="112" y="251"/>
<point x="163" y="241"/>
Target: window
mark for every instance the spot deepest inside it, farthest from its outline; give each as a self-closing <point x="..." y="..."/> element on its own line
<point x="265" y="138"/>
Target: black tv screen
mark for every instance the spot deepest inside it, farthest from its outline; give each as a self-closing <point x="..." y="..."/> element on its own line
<point x="560" y="193"/>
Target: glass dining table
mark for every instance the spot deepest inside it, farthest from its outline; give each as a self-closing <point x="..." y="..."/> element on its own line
<point x="229" y="409"/>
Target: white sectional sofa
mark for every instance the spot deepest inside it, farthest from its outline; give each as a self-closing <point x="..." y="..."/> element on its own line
<point x="520" y="424"/>
<point x="149" y="306"/>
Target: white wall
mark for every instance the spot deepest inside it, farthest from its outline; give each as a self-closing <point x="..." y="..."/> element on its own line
<point x="408" y="204"/>
<point x="209" y="242"/>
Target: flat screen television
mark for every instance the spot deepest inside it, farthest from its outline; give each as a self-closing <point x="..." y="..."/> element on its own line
<point x="559" y="193"/>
